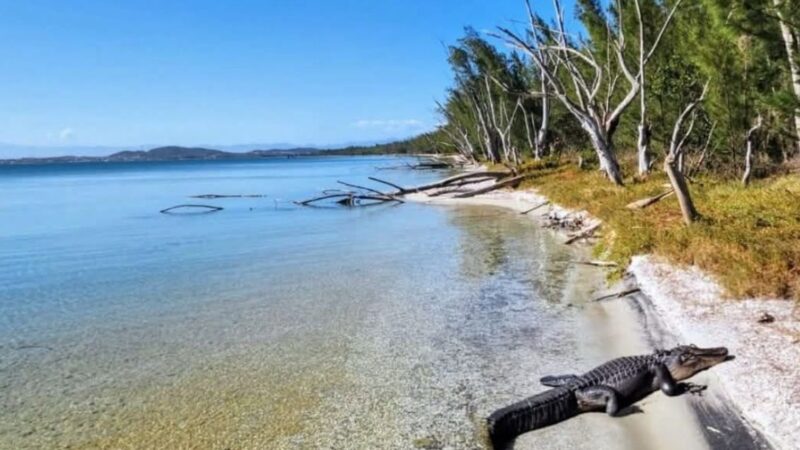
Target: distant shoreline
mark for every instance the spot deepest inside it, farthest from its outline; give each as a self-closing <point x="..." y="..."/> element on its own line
<point x="179" y="154"/>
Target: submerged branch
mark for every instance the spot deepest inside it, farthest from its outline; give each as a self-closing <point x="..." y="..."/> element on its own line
<point x="210" y="209"/>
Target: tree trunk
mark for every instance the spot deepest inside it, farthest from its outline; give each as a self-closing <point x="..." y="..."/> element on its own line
<point x="601" y="142"/>
<point x="642" y="149"/>
<point x="528" y="134"/>
<point x="794" y="68"/>
<point x="748" y="163"/>
<point x="681" y="190"/>
<point x="748" y="157"/>
<point x="541" y="136"/>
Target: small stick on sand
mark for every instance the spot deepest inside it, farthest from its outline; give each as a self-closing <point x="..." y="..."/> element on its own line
<point x="536" y="207"/>
<point x="618" y="294"/>
<point x="598" y="263"/>
<point x="582" y="234"/>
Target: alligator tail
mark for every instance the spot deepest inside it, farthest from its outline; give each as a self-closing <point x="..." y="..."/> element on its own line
<point x="539" y="411"/>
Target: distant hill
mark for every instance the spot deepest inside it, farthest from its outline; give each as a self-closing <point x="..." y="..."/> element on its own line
<point x="172" y="153"/>
<point x="169" y="153"/>
<point x="420" y="144"/>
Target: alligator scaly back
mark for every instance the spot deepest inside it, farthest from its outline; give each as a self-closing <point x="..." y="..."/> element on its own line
<point x="534" y="412"/>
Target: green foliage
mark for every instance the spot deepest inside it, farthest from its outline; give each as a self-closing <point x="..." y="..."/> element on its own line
<point x="734" y="45"/>
<point x="432" y="142"/>
<point x="746" y="236"/>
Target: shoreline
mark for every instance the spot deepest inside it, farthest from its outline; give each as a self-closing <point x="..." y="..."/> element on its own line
<point x="741" y="404"/>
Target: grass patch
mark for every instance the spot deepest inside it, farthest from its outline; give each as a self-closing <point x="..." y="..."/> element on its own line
<point x="748" y="238"/>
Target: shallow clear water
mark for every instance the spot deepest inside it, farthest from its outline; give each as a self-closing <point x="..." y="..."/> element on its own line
<point x="268" y="325"/>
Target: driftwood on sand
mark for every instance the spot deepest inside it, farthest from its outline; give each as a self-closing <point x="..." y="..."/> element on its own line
<point x="645" y="202"/>
<point x="586" y="232"/>
<point x="544" y="203"/>
<point x="598" y="263"/>
<point x="201" y="209"/>
<point x="500" y="184"/>
<point x="620" y="294"/>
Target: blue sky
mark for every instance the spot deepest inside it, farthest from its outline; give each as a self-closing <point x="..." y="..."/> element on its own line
<point x="126" y="73"/>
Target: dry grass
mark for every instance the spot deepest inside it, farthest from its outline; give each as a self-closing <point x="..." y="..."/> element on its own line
<point x="749" y="238"/>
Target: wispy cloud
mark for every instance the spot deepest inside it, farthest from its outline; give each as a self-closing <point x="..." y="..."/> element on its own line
<point x="66" y="134"/>
<point x="390" y="125"/>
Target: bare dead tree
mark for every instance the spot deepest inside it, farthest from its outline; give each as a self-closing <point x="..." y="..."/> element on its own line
<point x="676" y="177"/>
<point x="644" y="129"/>
<point x="502" y="123"/>
<point x="701" y="159"/>
<point x="480" y="108"/>
<point x="536" y="136"/>
<point x="598" y="119"/>
<point x="457" y="133"/>
<point x="748" y="157"/>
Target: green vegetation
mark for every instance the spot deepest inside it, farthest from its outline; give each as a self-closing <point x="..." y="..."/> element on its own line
<point x="416" y="145"/>
<point x="747" y="237"/>
<point x="547" y="95"/>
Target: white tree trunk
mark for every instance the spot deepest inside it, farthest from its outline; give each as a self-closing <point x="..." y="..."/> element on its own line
<point x="642" y="149"/>
<point x="748" y="163"/>
<point x="541" y="136"/>
<point x="605" y="153"/>
<point x="529" y="133"/>
<point x="794" y="69"/>
<point x="748" y="157"/>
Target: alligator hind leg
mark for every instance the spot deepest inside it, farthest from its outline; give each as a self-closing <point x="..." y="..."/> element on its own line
<point x="602" y="398"/>
<point x="557" y="380"/>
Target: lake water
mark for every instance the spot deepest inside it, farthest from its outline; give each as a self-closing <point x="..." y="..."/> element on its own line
<point x="268" y="325"/>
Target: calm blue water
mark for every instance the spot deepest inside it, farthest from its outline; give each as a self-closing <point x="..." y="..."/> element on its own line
<point x="85" y="240"/>
<point x="268" y="325"/>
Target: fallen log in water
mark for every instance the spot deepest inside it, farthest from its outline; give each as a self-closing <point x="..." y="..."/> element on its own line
<point x="215" y="196"/>
<point x="400" y="189"/>
<point x="374" y="191"/>
<point x="209" y="209"/>
<point x="349" y="199"/>
<point x="457" y="180"/>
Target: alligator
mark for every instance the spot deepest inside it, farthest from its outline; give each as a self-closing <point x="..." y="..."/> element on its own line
<point x="611" y="387"/>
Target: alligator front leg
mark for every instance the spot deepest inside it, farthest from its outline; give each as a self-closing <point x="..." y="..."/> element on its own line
<point x="557" y="380"/>
<point x="665" y="382"/>
<point x="669" y="386"/>
<point x="594" y="398"/>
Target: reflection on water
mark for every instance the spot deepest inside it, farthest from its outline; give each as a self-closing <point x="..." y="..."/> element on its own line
<point x="290" y="328"/>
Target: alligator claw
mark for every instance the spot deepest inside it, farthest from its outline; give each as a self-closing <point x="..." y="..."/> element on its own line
<point x="694" y="389"/>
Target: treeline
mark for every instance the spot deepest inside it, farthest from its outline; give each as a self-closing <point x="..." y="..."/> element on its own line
<point x="417" y="145"/>
<point x="695" y="85"/>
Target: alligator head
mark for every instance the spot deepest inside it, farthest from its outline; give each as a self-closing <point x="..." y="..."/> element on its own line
<point x="685" y="361"/>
